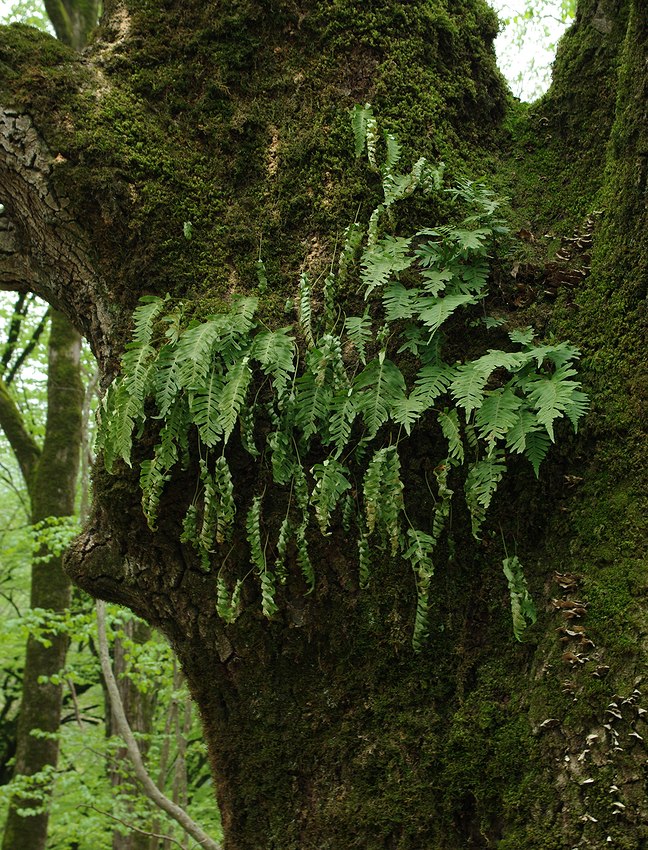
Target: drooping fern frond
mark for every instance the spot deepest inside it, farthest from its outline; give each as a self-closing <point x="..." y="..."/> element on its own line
<point x="377" y="387"/>
<point x="228" y="605"/>
<point x="331" y="482"/>
<point x="419" y="554"/>
<point x="205" y="406"/>
<point x="449" y="422"/>
<point x="522" y="606"/>
<point x="224" y="491"/>
<point x="360" y="331"/>
<point x="275" y="351"/>
<point x="481" y="484"/>
<point x="233" y="395"/>
<point x="305" y="314"/>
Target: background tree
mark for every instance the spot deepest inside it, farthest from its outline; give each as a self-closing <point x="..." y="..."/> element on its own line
<point x="152" y="166"/>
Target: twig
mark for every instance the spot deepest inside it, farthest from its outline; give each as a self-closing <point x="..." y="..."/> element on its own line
<point x="150" y="788"/>
<point x="131" y="825"/>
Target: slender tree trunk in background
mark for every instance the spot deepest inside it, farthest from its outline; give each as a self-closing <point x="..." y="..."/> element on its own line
<point x="52" y="489"/>
<point x="324" y="729"/>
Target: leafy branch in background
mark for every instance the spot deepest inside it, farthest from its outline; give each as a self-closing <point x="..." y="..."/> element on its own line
<point x="341" y="410"/>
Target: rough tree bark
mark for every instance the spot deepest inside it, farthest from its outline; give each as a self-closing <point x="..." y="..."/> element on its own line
<point x="324" y="730"/>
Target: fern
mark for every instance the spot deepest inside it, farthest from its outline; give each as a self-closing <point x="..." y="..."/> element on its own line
<point x="331" y="482"/>
<point x="377" y="387"/>
<point x="228" y="605"/>
<point x="233" y="395"/>
<point x="522" y="606"/>
<point x="360" y="331"/>
<point x="305" y="315"/>
<point x="275" y="351"/>
<point x="342" y="405"/>
<point x="449" y="422"/>
<point x="481" y="484"/>
<point x="386" y="257"/>
<point x="419" y="554"/>
<point x="205" y="406"/>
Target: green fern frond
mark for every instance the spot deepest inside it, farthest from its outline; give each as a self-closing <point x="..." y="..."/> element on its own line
<point x="394" y="151"/>
<point x="144" y="318"/>
<point x="377" y="388"/>
<point x="386" y="257"/>
<point x="360" y="331"/>
<point x="481" y="484"/>
<point x="342" y="413"/>
<point x="331" y="482"/>
<point x="433" y="312"/>
<point x="233" y="395"/>
<point x="399" y="302"/>
<point x="205" y="406"/>
<point x="553" y="396"/>
<point x="419" y="555"/>
<point x="253" y="529"/>
<point x="228" y="605"/>
<point x="451" y="430"/>
<point x="364" y="561"/>
<point x="522" y="606"/>
<point x="152" y="481"/>
<point x="275" y="351"/>
<point x="195" y="349"/>
<point x="305" y="308"/>
<point x="224" y="493"/>
<point x="360" y="116"/>
<point x="497" y="415"/>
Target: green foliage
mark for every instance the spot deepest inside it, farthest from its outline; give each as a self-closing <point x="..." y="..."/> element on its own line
<point x="361" y="386"/>
<point x="522" y="607"/>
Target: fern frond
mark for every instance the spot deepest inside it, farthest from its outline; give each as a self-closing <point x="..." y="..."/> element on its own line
<point x="522" y="606"/>
<point x="224" y="492"/>
<point x="342" y="413"/>
<point x="497" y="415"/>
<point x="313" y="398"/>
<point x="352" y="240"/>
<point x="481" y="483"/>
<point x="253" y="529"/>
<point x="419" y="555"/>
<point x="210" y="509"/>
<point x="553" y="396"/>
<point x="537" y="445"/>
<point x="233" y="395"/>
<point x="144" y="317"/>
<point x="360" y="116"/>
<point x="275" y="351"/>
<point x="377" y="387"/>
<point x="364" y="561"/>
<point x="305" y="314"/>
<point x="285" y="533"/>
<point x="394" y="151"/>
<point x="360" y="331"/>
<point x="228" y="605"/>
<point x="282" y="456"/>
<point x="398" y="302"/>
<point x="386" y="257"/>
<point x="205" y="406"/>
<point x="433" y="312"/>
<point x="268" y="604"/>
<point x="451" y="430"/>
<point x="443" y="506"/>
<point x="152" y="481"/>
<point x="194" y="356"/>
<point x="431" y="382"/>
<point x="330" y="483"/>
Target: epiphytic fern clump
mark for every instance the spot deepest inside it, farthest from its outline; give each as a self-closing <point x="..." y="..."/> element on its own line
<point x="345" y="399"/>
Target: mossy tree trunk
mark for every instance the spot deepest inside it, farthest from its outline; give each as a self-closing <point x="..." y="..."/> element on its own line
<point x="51" y="476"/>
<point x="324" y="729"/>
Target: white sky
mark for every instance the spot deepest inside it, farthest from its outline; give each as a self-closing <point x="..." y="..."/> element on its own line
<point x="525" y="65"/>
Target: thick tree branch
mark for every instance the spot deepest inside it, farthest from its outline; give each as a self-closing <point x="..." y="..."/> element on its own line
<point x="150" y="788"/>
<point x="23" y="445"/>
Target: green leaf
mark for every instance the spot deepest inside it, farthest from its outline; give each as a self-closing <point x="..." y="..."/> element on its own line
<point x="205" y="406"/>
<point x="233" y="395"/>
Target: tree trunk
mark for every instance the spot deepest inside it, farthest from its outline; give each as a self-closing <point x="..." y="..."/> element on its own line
<point x="52" y="489"/>
<point x="187" y="137"/>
